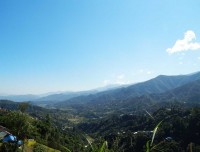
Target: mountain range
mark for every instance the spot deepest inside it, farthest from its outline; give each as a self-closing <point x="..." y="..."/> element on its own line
<point x="54" y="97"/>
<point x="160" y="87"/>
<point x="161" y="84"/>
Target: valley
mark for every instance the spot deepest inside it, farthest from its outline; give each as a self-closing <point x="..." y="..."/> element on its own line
<point x="123" y="117"/>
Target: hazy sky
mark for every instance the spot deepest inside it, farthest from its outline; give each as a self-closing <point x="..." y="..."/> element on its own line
<point x="52" y="45"/>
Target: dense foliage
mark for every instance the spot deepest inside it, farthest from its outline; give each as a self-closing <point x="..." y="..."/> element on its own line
<point x="179" y="129"/>
<point x="26" y="127"/>
<point x="123" y="132"/>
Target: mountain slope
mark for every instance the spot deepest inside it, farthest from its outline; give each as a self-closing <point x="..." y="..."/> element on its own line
<point x="189" y="92"/>
<point x="62" y="96"/>
<point x="187" y="95"/>
<point x="48" y="100"/>
<point x="157" y="85"/>
<point x="20" y="98"/>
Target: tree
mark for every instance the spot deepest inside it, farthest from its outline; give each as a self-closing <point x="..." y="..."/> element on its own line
<point x="23" y="106"/>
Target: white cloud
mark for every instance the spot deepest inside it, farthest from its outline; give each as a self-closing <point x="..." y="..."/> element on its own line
<point x="119" y="79"/>
<point x="145" y="71"/>
<point x="122" y="82"/>
<point x="199" y="58"/>
<point x="106" y="82"/>
<point x="149" y="72"/>
<point x="186" y="44"/>
<point x="121" y="76"/>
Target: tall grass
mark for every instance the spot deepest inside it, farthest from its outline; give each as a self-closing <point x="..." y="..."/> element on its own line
<point x="154" y="132"/>
<point x="102" y="148"/>
<point x="149" y="114"/>
<point x="150" y="147"/>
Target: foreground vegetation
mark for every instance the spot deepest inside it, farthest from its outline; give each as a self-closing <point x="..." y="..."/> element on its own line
<point x="128" y="132"/>
<point x="43" y="132"/>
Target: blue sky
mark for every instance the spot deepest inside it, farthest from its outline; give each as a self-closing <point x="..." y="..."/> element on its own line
<point x="62" y="45"/>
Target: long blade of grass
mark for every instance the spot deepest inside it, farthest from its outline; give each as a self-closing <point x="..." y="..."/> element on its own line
<point x="147" y="146"/>
<point x="68" y="150"/>
<point x="103" y="146"/>
<point x="149" y="114"/>
<point x="154" y="132"/>
<point x="89" y="142"/>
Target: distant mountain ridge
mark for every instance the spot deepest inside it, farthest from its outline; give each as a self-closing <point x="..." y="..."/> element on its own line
<point x="157" y="85"/>
<point x="54" y="97"/>
<point x="185" y="90"/>
<point x="186" y="95"/>
<point x="20" y="98"/>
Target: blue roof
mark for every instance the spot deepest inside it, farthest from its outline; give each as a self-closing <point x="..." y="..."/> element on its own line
<point x="10" y="138"/>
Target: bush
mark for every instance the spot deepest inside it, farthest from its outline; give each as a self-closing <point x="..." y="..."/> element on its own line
<point x="8" y="147"/>
<point x="38" y="148"/>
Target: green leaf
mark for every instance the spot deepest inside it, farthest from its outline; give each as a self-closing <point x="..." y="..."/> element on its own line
<point x="68" y="150"/>
<point x="149" y="114"/>
<point x="103" y="146"/>
<point x="89" y="142"/>
<point x="147" y="146"/>
<point x="154" y="132"/>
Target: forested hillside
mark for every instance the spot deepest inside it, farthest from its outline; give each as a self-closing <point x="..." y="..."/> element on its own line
<point x="24" y="127"/>
<point x="178" y="131"/>
<point x="131" y="132"/>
